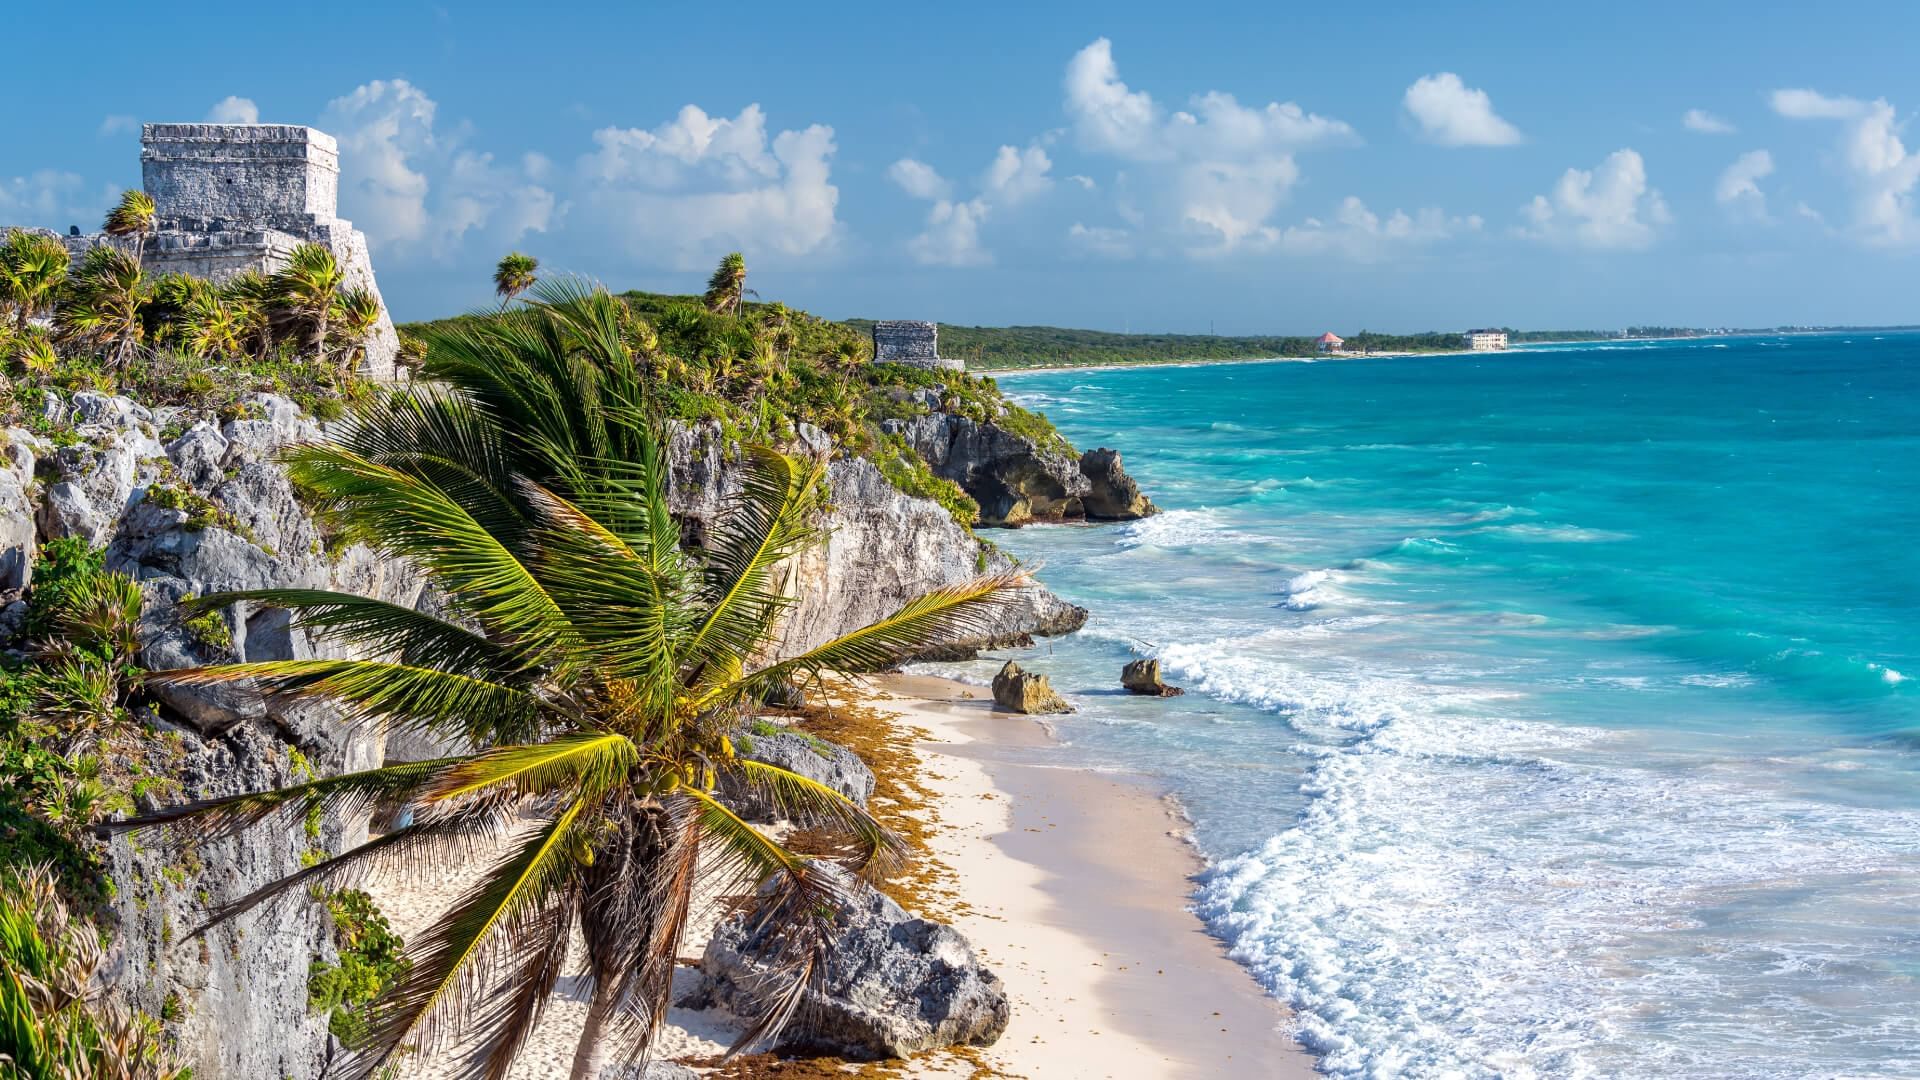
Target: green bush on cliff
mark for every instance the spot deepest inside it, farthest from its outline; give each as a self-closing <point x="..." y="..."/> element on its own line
<point x="371" y="960"/>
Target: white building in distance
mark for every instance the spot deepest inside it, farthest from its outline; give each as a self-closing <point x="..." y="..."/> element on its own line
<point x="1484" y="340"/>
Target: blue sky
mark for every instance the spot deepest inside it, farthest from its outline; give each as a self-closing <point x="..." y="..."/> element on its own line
<point x="1254" y="167"/>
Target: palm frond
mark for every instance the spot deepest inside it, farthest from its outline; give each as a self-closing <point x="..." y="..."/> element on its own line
<point x="808" y="802"/>
<point x="405" y="697"/>
<point x="766" y="522"/>
<point x="346" y="794"/>
<point x="585" y="761"/>
<point x="414" y="638"/>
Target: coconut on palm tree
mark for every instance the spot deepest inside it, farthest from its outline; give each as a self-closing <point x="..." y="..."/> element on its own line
<point x="306" y="289"/>
<point x="599" y="671"/>
<point x="727" y="288"/>
<point x="132" y="216"/>
<point x="33" y="266"/>
<point x="514" y="275"/>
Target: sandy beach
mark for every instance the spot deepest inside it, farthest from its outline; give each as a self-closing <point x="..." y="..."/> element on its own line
<point x="1070" y="884"/>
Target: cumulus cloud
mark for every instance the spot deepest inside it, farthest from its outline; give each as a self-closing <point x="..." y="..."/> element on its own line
<point x="1739" y="187"/>
<point x="1705" y="123"/>
<point x="952" y="235"/>
<point x="699" y="184"/>
<point x="1451" y="113"/>
<point x="1211" y="175"/>
<point x="918" y="179"/>
<point x="119" y="124"/>
<point x="1877" y="165"/>
<point x="234" y="110"/>
<point x="1356" y="232"/>
<point x="417" y="190"/>
<point x="1018" y="175"/>
<point x="1607" y="208"/>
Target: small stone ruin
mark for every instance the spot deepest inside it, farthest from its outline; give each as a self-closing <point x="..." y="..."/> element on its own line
<point x="900" y="341"/>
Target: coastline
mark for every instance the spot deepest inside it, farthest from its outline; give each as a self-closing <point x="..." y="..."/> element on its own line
<point x="1074" y="888"/>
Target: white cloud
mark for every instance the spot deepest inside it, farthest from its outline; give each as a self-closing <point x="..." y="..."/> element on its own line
<point x="1102" y="240"/>
<point x="1018" y="175"/>
<point x="1356" y="232"/>
<point x="698" y="184"/>
<point x="952" y="235"/>
<point x="1705" y="123"/>
<point x="52" y="199"/>
<point x="1211" y="176"/>
<point x="1877" y="165"/>
<point x="119" y="124"/>
<point x="417" y="191"/>
<point x="1086" y="182"/>
<point x="918" y="179"/>
<point x="1451" y="113"/>
<point x="234" y="110"/>
<point x="1607" y="208"/>
<point x="1739" y="187"/>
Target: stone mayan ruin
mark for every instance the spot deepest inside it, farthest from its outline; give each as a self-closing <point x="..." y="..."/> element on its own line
<point x="229" y="198"/>
<point x="899" y="341"/>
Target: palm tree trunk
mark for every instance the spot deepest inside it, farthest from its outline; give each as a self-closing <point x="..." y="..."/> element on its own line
<point x="318" y="339"/>
<point x="590" y="1056"/>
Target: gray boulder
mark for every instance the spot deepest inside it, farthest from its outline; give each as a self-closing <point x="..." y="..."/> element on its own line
<point x="1112" y="495"/>
<point x="894" y="984"/>
<point x="816" y="759"/>
<point x="18" y="530"/>
<point x="1022" y="691"/>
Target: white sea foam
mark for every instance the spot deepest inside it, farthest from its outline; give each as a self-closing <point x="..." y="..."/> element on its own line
<point x="1180" y="529"/>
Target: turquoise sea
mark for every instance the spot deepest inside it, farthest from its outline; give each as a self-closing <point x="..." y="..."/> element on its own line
<point x="1549" y="714"/>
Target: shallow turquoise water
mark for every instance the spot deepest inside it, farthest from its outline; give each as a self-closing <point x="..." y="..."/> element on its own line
<point x="1549" y="713"/>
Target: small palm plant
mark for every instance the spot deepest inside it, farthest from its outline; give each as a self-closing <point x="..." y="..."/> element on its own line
<point x="105" y="303"/>
<point x="306" y="290"/>
<point x="33" y="266"/>
<point x="598" y="669"/>
<point x="356" y="312"/>
<point x="132" y="216"/>
<point x="515" y="274"/>
<point x="250" y="297"/>
<point x="727" y="288"/>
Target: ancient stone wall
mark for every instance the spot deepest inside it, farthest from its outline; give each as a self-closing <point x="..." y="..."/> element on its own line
<point x="218" y="177"/>
<point x="900" y="341"/>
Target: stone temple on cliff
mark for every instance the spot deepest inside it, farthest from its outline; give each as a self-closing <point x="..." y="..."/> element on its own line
<point x="898" y="341"/>
<point x="229" y="198"/>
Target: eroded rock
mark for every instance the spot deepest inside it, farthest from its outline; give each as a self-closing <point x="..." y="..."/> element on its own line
<point x="1143" y="677"/>
<point x="816" y="759"/>
<point x="1027" y="692"/>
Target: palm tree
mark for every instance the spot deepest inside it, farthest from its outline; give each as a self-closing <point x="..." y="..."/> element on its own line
<point x="306" y="289"/>
<point x="132" y="216"/>
<point x="105" y="301"/>
<point x="598" y="668"/>
<point x="514" y="275"/>
<point x="356" y="312"/>
<point x="33" y="266"/>
<point x="727" y="288"/>
<point x="250" y="296"/>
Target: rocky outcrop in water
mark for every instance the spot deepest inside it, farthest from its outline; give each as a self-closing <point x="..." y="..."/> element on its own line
<point x="1143" y="677"/>
<point x="883" y="547"/>
<point x="894" y="985"/>
<point x="1018" y="481"/>
<point x="1022" y="691"/>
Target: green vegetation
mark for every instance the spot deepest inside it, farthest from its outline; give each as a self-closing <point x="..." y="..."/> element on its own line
<point x="514" y="275"/>
<point x="372" y="961"/>
<point x="172" y="338"/>
<point x="54" y="1022"/>
<point x="599" y="667"/>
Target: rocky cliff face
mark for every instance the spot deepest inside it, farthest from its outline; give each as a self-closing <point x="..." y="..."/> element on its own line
<point x="1017" y="481"/>
<point x="883" y="548"/>
<point x="190" y="506"/>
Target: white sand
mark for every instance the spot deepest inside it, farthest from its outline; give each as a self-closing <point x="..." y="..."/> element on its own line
<point x="1073" y="888"/>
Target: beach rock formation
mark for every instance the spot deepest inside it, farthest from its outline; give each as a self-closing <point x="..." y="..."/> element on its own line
<point x="1143" y="677"/>
<point x="1112" y="494"/>
<point x="895" y="984"/>
<point x="883" y="547"/>
<point x="1023" y="691"/>
<point x="816" y="759"/>
<point x="1018" y="481"/>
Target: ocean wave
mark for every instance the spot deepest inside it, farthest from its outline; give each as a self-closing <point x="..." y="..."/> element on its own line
<point x="1181" y="529"/>
<point x="1557" y="534"/>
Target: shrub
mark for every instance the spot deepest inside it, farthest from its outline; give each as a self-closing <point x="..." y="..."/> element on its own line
<point x="370" y="961"/>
